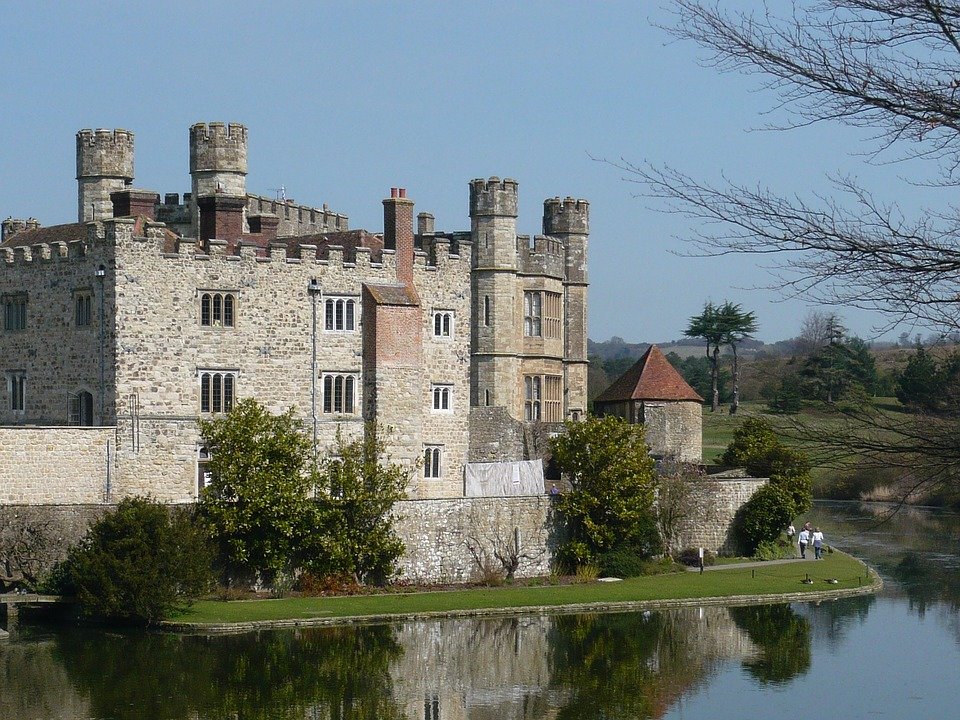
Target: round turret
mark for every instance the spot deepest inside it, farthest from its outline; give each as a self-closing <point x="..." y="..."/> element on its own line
<point x="218" y="148"/>
<point x="562" y="217"/>
<point x="493" y="197"/>
<point x="104" y="165"/>
<point x="218" y="163"/>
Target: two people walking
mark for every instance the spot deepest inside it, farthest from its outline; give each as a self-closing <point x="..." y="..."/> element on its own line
<point x="808" y="536"/>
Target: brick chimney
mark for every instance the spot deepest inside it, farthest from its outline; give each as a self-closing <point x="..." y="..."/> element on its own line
<point x="398" y="232"/>
<point x="221" y="218"/>
<point x="134" y="203"/>
<point x="266" y="225"/>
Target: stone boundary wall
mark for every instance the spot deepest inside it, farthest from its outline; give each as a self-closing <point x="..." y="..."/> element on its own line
<point x="55" y="466"/>
<point x="451" y="540"/>
<point x="439" y="534"/>
<point x="714" y="505"/>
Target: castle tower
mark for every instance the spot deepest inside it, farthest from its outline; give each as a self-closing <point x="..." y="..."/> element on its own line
<point x="104" y="165"/>
<point x="497" y="318"/>
<point x="218" y="163"/>
<point x="569" y="221"/>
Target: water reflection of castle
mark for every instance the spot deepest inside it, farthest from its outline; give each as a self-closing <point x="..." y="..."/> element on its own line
<point x="527" y="667"/>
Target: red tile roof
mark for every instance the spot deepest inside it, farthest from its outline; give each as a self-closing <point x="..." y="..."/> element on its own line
<point x="652" y="377"/>
<point x="51" y="234"/>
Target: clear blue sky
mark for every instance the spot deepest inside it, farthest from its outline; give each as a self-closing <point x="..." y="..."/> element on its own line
<point x="345" y="100"/>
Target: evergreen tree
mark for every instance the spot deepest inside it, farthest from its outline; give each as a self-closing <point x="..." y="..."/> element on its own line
<point x="736" y="326"/>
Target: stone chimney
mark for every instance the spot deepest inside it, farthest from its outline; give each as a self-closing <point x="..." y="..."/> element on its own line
<point x="425" y="223"/>
<point x="398" y="232"/>
<point x="134" y="203"/>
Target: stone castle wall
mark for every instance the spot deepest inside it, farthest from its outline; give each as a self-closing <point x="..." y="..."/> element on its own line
<point x="674" y="429"/>
<point x="715" y="503"/>
<point x="66" y="465"/>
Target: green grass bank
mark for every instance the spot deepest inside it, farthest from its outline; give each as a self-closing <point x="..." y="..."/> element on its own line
<point x="733" y="584"/>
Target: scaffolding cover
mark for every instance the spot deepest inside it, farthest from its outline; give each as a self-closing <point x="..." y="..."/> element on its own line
<point x="524" y="477"/>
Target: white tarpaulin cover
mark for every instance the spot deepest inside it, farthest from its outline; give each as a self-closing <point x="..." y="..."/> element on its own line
<point x="524" y="477"/>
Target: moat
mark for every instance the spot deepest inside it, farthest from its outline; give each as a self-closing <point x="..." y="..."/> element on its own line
<point x="893" y="655"/>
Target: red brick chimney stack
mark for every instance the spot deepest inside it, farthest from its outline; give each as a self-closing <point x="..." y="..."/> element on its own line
<point x="398" y="232"/>
<point x="221" y="218"/>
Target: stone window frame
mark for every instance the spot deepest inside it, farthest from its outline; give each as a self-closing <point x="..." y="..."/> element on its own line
<point x="487" y="311"/>
<point x="83" y="307"/>
<point x="441" y="397"/>
<point x="443" y="324"/>
<point x="552" y="314"/>
<point x="80" y="411"/>
<point x="204" y="477"/>
<point x="14" y="311"/>
<point x="218" y="309"/>
<point x="340" y="392"/>
<point x="340" y="313"/>
<point x="533" y="313"/>
<point x="432" y="461"/>
<point x="217" y="389"/>
<point x="17" y="391"/>
<point x="532" y="397"/>
<point x="543" y="398"/>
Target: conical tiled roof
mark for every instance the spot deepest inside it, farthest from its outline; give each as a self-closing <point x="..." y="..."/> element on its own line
<point x="651" y="378"/>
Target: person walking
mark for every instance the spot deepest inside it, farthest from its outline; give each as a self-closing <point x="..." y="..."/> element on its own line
<point x="817" y="539"/>
<point x="791" y="531"/>
<point x="803" y="541"/>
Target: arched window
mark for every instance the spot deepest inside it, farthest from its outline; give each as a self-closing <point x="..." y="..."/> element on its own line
<point x="431" y="461"/>
<point x="340" y="314"/>
<point x="339" y="393"/>
<point x="443" y="323"/>
<point x="532" y="397"/>
<point x="217" y="392"/>
<point x="441" y="398"/>
<point x="217" y="310"/>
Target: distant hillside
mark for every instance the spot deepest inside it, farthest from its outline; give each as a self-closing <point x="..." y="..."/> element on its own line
<point x="616" y="348"/>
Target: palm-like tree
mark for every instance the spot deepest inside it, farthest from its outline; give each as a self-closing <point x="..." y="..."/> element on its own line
<point x="735" y="326"/>
<point x="707" y="325"/>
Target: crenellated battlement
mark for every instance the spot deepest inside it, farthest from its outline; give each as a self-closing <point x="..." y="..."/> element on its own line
<point x="295" y="218"/>
<point x="541" y="255"/>
<point x="569" y="215"/>
<point x="218" y="147"/>
<point x="105" y="153"/>
<point x="493" y="197"/>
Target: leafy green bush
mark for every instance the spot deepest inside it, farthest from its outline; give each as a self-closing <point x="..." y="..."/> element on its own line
<point x="140" y="563"/>
<point x="775" y="550"/>
<point x="623" y="562"/>
<point x="756" y="447"/>
<point x="763" y="516"/>
<point x="612" y="483"/>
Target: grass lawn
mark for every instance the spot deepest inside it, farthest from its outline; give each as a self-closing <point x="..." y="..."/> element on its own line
<point x="760" y="579"/>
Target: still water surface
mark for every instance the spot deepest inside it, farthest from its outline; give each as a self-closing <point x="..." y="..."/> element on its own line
<point x="896" y="655"/>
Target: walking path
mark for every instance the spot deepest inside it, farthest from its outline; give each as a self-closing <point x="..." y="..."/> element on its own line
<point x="753" y="564"/>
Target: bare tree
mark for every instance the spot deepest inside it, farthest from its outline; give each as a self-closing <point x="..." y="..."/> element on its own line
<point x="889" y="65"/>
<point x="892" y="66"/>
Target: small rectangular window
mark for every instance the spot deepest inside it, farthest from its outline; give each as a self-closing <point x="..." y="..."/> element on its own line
<point x="14" y="312"/>
<point x="82" y="304"/>
<point x="217" y="391"/>
<point x="340" y="392"/>
<point x="340" y="314"/>
<point x="532" y="314"/>
<point x="443" y="323"/>
<point x="218" y="309"/>
<point x="17" y="386"/>
<point x="432" y="455"/>
<point x="442" y="398"/>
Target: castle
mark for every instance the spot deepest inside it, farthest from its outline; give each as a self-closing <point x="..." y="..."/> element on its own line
<point x="123" y="328"/>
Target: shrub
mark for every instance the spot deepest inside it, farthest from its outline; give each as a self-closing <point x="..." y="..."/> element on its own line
<point x="623" y="562"/>
<point x="691" y="557"/>
<point x="587" y="572"/>
<point x="775" y="550"/>
<point x="764" y="516"/>
<point x="140" y="563"/>
<point x="612" y="481"/>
